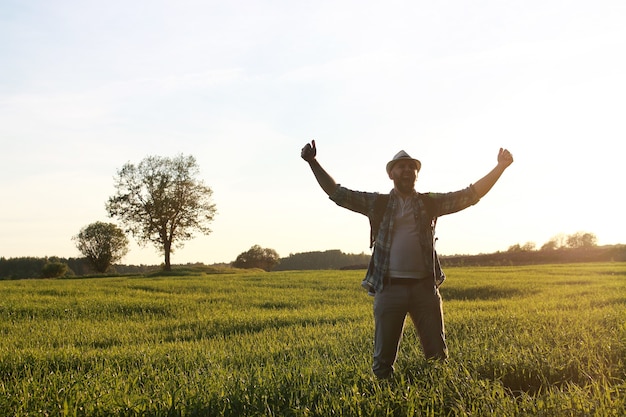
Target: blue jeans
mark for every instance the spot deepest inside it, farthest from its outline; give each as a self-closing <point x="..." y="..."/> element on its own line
<point x="422" y="302"/>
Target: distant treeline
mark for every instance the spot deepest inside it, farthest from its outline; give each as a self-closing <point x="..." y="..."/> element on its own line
<point x="30" y="267"/>
<point x="576" y="247"/>
<point x="335" y="259"/>
<point x="609" y="253"/>
<point x="330" y="259"/>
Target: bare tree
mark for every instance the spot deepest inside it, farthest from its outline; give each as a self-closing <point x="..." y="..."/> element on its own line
<point x="162" y="201"/>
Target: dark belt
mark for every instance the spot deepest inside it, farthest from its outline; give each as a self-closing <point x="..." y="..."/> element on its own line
<point x="404" y="281"/>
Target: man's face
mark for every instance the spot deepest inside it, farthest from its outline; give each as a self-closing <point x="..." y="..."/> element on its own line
<point x="404" y="175"/>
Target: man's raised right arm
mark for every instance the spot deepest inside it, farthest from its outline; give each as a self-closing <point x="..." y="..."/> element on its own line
<point x="325" y="181"/>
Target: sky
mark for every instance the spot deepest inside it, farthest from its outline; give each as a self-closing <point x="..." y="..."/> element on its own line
<point x="242" y="86"/>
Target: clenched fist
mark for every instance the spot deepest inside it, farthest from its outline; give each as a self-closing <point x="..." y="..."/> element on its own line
<point x="309" y="151"/>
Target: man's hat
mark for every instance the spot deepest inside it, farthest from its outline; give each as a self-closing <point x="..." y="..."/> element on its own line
<point x="400" y="156"/>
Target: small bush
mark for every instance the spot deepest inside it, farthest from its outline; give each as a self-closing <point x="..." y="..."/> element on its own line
<point x="54" y="270"/>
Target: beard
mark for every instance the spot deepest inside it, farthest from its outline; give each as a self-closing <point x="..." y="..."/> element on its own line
<point x="405" y="185"/>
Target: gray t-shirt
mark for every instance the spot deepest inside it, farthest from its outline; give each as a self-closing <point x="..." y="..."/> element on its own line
<point x="405" y="260"/>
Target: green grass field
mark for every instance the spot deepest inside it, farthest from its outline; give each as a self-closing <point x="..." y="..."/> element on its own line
<point x="524" y="341"/>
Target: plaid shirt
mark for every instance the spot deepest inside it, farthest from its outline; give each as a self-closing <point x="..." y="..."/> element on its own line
<point x="439" y="204"/>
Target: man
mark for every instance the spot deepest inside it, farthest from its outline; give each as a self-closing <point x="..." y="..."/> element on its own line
<point x="404" y="272"/>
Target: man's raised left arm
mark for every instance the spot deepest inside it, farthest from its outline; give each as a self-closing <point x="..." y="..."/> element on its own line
<point x="483" y="185"/>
